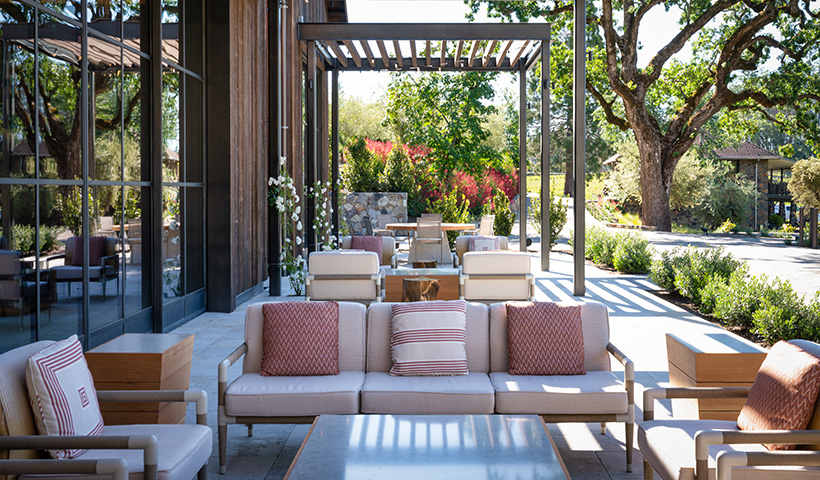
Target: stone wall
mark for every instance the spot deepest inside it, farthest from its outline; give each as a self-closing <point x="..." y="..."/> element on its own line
<point x="361" y="207"/>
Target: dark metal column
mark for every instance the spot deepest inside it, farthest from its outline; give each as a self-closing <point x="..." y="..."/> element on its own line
<point x="275" y="148"/>
<point x="522" y="161"/>
<point x="545" y="154"/>
<point x="311" y="153"/>
<point x="813" y="227"/>
<point x="86" y="227"/>
<point x="334" y="145"/>
<point x="578" y="146"/>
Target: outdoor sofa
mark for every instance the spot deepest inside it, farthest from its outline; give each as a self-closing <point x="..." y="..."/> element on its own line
<point x="365" y="386"/>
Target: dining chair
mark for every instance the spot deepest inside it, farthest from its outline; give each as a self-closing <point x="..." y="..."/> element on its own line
<point x="427" y="242"/>
<point x="485" y="226"/>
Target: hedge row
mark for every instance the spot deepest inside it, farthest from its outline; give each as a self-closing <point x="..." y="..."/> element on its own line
<point x="625" y="252"/>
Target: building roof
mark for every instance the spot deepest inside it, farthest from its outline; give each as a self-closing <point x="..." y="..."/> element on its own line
<point x="750" y="151"/>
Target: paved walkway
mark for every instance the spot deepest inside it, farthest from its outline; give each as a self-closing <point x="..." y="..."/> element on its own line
<point x="639" y="322"/>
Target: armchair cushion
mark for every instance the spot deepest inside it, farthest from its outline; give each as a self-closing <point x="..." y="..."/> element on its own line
<point x="300" y="338"/>
<point x="62" y="394"/>
<point x="784" y="392"/>
<point x="368" y="244"/>
<point x="96" y="250"/>
<point x="545" y="338"/>
<point x="429" y="338"/>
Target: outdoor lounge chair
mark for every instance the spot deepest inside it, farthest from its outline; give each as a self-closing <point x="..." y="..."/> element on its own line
<point x="343" y="275"/>
<point x="164" y="451"/>
<point x="496" y="276"/>
<point x="709" y="449"/>
<point x="102" y="269"/>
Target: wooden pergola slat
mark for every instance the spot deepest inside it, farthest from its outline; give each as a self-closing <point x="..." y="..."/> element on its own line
<point x="385" y="56"/>
<point x="520" y="52"/>
<point x="489" y="52"/>
<point x="444" y="52"/>
<point x="367" y="52"/>
<point x="427" y="52"/>
<point x="397" y="49"/>
<point x="340" y="56"/>
<point x="459" y="48"/>
<point x="473" y="51"/>
<point x="357" y="59"/>
<point x="503" y="54"/>
<point x="413" y="55"/>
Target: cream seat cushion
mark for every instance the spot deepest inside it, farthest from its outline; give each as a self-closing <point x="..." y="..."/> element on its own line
<point x="254" y="395"/>
<point x="440" y="395"/>
<point x="182" y="449"/>
<point x="597" y="391"/>
<point x="670" y="446"/>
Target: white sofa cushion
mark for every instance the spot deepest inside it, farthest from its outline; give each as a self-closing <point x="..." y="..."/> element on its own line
<point x="351" y="337"/>
<point x="379" y="321"/>
<point x="595" y="392"/>
<point x="497" y="263"/>
<point x="340" y="262"/>
<point x="254" y="395"/>
<point x="670" y="445"/>
<point x="595" y="322"/>
<point x="449" y="395"/>
<point x="182" y="450"/>
<point x="496" y="289"/>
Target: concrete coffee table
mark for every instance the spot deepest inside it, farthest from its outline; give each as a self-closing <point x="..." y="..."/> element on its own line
<point x="416" y="447"/>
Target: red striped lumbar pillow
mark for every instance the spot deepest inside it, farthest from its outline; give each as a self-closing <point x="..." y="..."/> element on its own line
<point x="429" y="338"/>
<point x="62" y="395"/>
<point x="545" y="338"/>
<point x="300" y="339"/>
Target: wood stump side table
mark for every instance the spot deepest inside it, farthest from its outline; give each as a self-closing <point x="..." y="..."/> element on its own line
<point x="142" y="361"/>
<point x="716" y="359"/>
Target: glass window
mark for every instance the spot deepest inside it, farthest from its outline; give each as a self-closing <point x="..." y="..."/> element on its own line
<point x="172" y="242"/>
<point x="135" y="266"/>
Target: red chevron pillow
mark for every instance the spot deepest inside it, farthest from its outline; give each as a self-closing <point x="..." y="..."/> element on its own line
<point x="429" y="338"/>
<point x="784" y="392"/>
<point x="545" y="338"/>
<point x="300" y="338"/>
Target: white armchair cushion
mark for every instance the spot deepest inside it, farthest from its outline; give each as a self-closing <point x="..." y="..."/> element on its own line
<point x="62" y="394"/>
<point x="441" y="395"/>
<point x="340" y="262"/>
<point x="595" y="392"/>
<point x="497" y="263"/>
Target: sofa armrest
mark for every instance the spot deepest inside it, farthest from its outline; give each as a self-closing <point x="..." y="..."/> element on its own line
<point x="729" y="437"/>
<point x="726" y="460"/>
<point x="188" y="396"/>
<point x="146" y="443"/>
<point x="223" y="372"/>
<point x="116" y="467"/>
<point x="652" y="394"/>
<point x="629" y="376"/>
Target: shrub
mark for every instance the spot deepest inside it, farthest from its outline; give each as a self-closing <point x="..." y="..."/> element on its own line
<point x="741" y="298"/>
<point x="725" y="197"/>
<point x="781" y="313"/>
<point x="727" y="227"/>
<point x="600" y="245"/>
<point x="776" y="221"/>
<point x="713" y="290"/>
<point x="504" y="217"/>
<point x="697" y="267"/>
<point x="451" y="211"/>
<point x="632" y="254"/>
<point x="22" y="238"/>
<point x="362" y="168"/>
<point x="662" y="272"/>
<point x="558" y="216"/>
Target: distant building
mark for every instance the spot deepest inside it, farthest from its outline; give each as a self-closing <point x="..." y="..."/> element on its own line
<point x="769" y="172"/>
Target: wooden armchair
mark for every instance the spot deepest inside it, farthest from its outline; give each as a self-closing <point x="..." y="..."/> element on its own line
<point x="709" y="449"/>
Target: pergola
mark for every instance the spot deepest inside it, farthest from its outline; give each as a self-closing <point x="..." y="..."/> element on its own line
<point x="506" y="47"/>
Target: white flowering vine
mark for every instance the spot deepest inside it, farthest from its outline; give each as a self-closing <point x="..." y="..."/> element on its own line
<point x="321" y="218"/>
<point x="283" y="196"/>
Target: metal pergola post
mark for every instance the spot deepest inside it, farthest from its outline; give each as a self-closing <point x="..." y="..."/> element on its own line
<point x="311" y="153"/>
<point x="545" y="157"/>
<point x="522" y="161"/>
<point x="579" y="146"/>
<point x="334" y="146"/>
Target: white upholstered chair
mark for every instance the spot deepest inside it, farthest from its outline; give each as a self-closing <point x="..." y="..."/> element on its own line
<point x="463" y="246"/>
<point x="343" y="275"/>
<point x="388" y="249"/>
<point x="496" y="276"/>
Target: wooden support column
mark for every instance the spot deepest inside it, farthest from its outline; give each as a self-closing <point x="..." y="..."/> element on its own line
<point x="334" y="145"/>
<point x="545" y="154"/>
<point x="522" y="160"/>
<point x="311" y="150"/>
<point x="579" y="147"/>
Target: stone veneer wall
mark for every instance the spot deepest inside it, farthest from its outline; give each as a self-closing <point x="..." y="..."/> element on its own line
<point x="358" y="207"/>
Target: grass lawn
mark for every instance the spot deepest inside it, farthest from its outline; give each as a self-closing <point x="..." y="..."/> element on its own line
<point x="534" y="183"/>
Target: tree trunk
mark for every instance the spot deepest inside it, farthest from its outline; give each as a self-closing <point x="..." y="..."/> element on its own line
<point x="656" y="184"/>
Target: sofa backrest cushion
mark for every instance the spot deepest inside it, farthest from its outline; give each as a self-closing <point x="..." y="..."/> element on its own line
<point x="16" y="416"/>
<point x="482" y="263"/>
<point x="351" y="337"/>
<point x="379" y="324"/>
<point x="594" y="321"/>
<point x="300" y="338"/>
<point x="102" y="247"/>
<point x="340" y="262"/>
<point x="463" y="245"/>
<point x="783" y="394"/>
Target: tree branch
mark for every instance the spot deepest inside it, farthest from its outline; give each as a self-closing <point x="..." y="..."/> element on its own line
<point x="611" y="117"/>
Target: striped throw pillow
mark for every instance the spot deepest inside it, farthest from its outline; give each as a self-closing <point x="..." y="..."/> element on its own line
<point x="429" y="338"/>
<point x="62" y="395"/>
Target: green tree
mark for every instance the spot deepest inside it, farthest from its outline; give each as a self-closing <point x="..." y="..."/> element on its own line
<point x="361" y="119"/>
<point x="362" y="169"/>
<point x="725" y="197"/>
<point x="666" y="103"/>
<point x="805" y="182"/>
<point x="448" y="113"/>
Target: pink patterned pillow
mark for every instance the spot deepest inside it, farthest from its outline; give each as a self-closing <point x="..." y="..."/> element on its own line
<point x="545" y="338"/>
<point x="783" y="394"/>
<point x="478" y="243"/>
<point x="368" y="244"/>
<point x="429" y="338"/>
<point x="62" y="395"/>
<point x="300" y="338"/>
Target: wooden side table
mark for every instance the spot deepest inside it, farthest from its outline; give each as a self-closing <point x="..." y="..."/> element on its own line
<point x="142" y="361"/>
<point x="711" y="360"/>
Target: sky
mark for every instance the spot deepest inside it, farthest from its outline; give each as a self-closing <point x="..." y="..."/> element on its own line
<point x="656" y="30"/>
